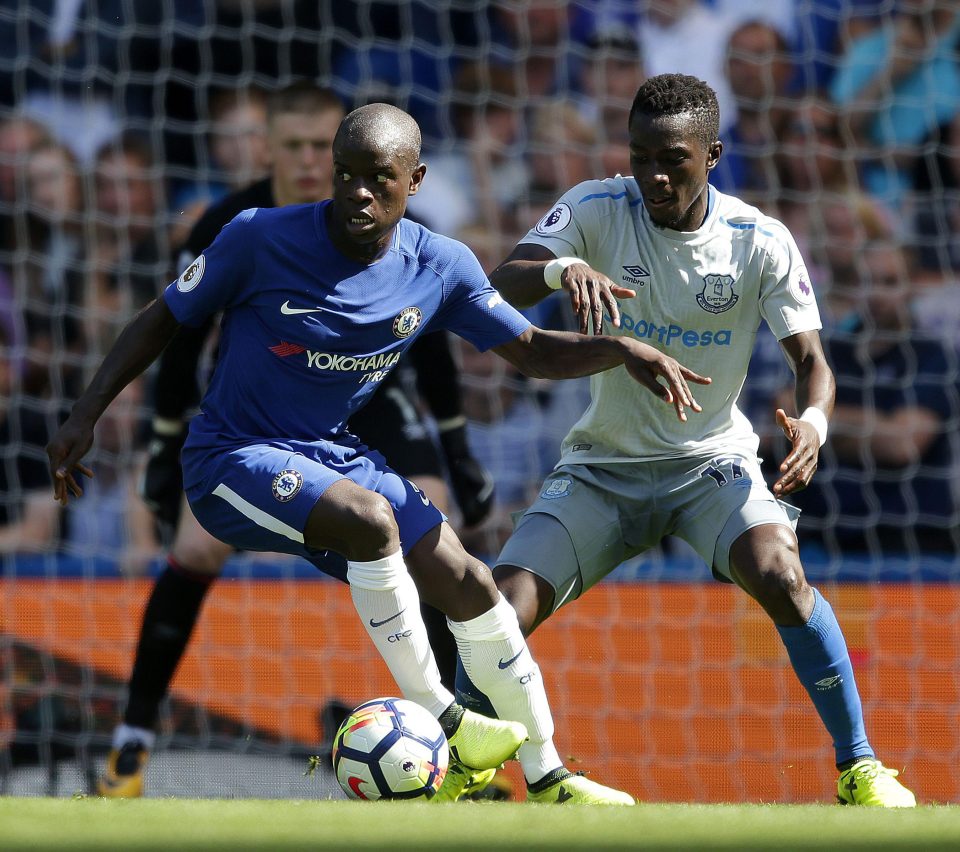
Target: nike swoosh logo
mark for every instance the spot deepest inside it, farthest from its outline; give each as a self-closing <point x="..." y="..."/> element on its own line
<point x="391" y="618"/>
<point x="513" y="659"/>
<point x="286" y="309"/>
<point x="355" y="783"/>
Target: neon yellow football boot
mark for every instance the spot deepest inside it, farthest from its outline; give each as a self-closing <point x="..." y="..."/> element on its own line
<point x="123" y="775"/>
<point x="462" y="781"/>
<point x="868" y="782"/>
<point x="562" y="787"/>
<point x="492" y="788"/>
<point x="478" y="748"/>
<point x="484" y="743"/>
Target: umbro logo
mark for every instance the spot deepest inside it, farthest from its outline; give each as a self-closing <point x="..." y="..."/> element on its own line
<point x="634" y="273"/>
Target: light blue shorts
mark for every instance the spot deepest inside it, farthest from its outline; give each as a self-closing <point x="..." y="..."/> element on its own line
<point x="590" y="518"/>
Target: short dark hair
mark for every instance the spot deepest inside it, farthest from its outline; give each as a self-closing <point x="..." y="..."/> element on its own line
<point x="676" y="94"/>
<point x="384" y="126"/>
<point x="303" y="96"/>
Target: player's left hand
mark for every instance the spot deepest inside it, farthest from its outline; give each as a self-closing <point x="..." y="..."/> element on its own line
<point x="798" y="468"/>
<point x="71" y="443"/>
<point x="591" y="293"/>
<point x="647" y="364"/>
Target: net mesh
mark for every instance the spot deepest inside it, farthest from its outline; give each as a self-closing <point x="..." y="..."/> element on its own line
<point x="121" y="121"/>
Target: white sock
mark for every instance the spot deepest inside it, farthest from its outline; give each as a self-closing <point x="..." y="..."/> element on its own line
<point x="497" y="659"/>
<point x="123" y="734"/>
<point x="387" y="601"/>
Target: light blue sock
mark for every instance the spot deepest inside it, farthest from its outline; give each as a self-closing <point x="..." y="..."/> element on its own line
<point x="819" y="656"/>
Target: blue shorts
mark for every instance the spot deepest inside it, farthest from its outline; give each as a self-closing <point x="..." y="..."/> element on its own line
<point x="258" y="496"/>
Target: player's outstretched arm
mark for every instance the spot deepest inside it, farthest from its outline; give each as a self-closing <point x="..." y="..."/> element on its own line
<point x="564" y="355"/>
<point x="138" y="345"/>
<point x="815" y="392"/>
<point x="522" y="281"/>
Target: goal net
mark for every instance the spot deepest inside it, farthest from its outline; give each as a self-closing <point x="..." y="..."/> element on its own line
<point x="120" y="122"/>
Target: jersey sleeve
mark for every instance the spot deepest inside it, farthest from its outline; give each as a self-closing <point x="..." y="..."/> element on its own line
<point x="473" y="309"/>
<point x="787" y="300"/>
<point x="569" y="226"/>
<point x="219" y="277"/>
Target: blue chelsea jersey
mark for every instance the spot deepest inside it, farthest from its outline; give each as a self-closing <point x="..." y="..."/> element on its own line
<point x="307" y="333"/>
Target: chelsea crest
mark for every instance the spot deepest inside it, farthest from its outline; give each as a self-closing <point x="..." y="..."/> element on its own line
<point x="406" y="322"/>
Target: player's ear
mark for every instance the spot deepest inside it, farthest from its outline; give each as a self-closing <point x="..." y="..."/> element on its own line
<point x="416" y="178"/>
<point x="713" y="155"/>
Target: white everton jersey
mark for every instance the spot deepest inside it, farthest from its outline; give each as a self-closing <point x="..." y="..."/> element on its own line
<point x="700" y="298"/>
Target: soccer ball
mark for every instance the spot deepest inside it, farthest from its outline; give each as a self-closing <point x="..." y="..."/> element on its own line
<point x="390" y="748"/>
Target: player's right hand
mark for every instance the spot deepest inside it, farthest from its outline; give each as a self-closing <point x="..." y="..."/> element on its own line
<point x="798" y="468"/>
<point x="71" y="443"/>
<point x="161" y="485"/>
<point x="591" y="293"/>
<point x="647" y="365"/>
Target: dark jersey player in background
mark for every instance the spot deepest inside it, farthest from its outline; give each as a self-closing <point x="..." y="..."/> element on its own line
<point x="302" y="122"/>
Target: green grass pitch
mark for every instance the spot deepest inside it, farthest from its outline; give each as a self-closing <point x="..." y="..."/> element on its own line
<point x="179" y="824"/>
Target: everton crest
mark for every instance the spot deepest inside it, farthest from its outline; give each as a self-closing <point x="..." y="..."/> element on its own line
<point x="717" y="295"/>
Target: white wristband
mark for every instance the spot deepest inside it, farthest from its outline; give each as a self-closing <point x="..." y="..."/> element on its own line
<point x="451" y="423"/>
<point x="816" y="418"/>
<point x="553" y="271"/>
<point x="167" y="427"/>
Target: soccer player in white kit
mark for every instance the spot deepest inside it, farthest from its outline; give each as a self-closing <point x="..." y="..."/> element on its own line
<point x="695" y="271"/>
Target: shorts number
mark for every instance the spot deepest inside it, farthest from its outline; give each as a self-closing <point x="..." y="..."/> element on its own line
<point x="734" y="470"/>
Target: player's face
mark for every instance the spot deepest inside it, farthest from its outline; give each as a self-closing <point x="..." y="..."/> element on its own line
<point x="671" y="164"/>
<point x="301" y="152"/>
<point x="371" y="185"/>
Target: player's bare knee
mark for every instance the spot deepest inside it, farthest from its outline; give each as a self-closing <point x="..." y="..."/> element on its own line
<point x="782" y="590"/>
<point x="474" y="594"/>
<point x="359" y="524"/>
<point x="525" y="592"/>
<point x="374" y="532"/>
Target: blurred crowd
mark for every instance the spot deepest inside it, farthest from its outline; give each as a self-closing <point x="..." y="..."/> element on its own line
<point x="121" y="121"/>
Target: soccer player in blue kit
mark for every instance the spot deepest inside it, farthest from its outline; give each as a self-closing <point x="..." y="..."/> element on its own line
<point x="319" y="302"/>
<point x="695" y="272"/>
